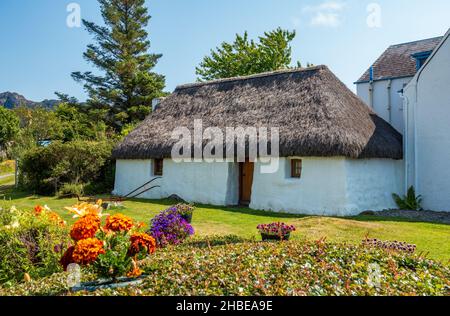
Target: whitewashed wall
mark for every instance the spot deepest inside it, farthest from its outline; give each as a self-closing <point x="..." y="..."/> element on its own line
<point x="209" y="183"/>
<point x="428" y="151"/>
<point x="330" y="186"/>
<point x="371" y="182"/>
<point x="381" y="95"/>
<point x="320" y="191"/>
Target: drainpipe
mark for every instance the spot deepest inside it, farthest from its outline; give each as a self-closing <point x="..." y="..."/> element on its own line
<point x="389" y="108"/>
<point x="371" y="88"/>
<point x="406" y="139"/>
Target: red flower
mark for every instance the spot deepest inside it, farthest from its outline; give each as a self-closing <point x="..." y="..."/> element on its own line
<point x="67" y="258"/>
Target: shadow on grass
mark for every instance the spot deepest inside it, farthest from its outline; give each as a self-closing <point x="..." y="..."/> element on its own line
<point x="374" y="218"/>
<point x="9" y="192"/>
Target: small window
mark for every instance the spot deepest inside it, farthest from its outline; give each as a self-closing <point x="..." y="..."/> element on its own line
<point x="296" y="168"/>
<point x="158" y="167"/>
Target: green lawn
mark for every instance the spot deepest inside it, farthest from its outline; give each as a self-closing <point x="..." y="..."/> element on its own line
<point x="209" y="220"/>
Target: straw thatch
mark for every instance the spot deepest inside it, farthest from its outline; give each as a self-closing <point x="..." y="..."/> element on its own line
<point x="316" y="113"/>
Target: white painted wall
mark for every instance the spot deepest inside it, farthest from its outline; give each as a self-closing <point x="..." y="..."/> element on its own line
<point x="371" y="182"/>
<point x="381" y="98"/>
<point x="209" y="183"/>
<point x="428" y="98"/>
<point x="330" y="186"/>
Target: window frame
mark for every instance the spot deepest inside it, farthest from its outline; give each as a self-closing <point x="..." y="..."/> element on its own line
<point x="158" y="167"/>
<point x="296" y="171"/>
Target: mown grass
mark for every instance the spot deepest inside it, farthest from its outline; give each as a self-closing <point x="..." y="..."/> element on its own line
<point x="210" y="220"/>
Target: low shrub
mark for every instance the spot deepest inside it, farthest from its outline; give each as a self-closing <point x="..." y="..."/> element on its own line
<point x="265" y="269"/>
<point x="69" y="190"/>
<point x="410" y="202"/>
<point x="45" y="170"/>
<point x="169" y="228"/>
<point x="31" y="243"/>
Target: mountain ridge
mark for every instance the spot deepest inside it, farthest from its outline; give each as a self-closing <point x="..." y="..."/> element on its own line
<point x="11" y="100"/>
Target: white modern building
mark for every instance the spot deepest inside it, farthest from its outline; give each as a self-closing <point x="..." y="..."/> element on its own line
<point x="409" y="86"/>
<point x="337" y="157"/>
<point x="427" y="137"/>
<point x="381" y="85"/>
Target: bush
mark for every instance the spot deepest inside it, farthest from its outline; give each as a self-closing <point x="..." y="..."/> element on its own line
<point x="169" y="228"/>
<point x="45" y="170"/>
<point x="409" y="202"/>
<point x="71" y="190"/>
<point x="30" y="243"/>
<point x="273" y="269"/>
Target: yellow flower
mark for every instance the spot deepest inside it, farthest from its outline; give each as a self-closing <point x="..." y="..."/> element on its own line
<point x="83" y="209"/>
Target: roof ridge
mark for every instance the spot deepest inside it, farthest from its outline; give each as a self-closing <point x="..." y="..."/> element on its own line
<point x="418" y="41"/>
<point x="242" y="78"/>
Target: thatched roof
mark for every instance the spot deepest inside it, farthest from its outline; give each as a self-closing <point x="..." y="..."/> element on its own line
<point x="316" y="113"/>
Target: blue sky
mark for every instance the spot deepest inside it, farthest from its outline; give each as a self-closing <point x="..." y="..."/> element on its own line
<point x="39" y="50"/>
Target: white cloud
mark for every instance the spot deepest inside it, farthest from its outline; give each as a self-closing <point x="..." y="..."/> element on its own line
<point x="326" y="19"/>
<point x="327" y="14"/>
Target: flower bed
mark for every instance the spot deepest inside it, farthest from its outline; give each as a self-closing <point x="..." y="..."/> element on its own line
<point x="111" y="251"/>
<point x="170" y="228"/>
<point x="30" y="243"/>
<point x="255" y="268"/>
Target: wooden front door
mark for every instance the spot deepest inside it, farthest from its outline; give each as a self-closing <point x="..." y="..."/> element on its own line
<point x="245" y="182"/>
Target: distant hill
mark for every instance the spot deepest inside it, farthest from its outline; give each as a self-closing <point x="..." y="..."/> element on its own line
<point x="11" y="100"/>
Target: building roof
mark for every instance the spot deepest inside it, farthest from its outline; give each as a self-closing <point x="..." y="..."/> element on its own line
<point x="397" y="61"/>
<point x="317" y="115"/>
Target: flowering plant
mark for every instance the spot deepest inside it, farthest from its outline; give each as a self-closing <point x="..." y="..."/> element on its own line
<point x="169" y="228"/>
<point x="113" y="250"/>
<point x="276" y="229"/>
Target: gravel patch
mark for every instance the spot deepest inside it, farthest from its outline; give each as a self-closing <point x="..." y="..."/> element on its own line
<point x="423" y="216"/>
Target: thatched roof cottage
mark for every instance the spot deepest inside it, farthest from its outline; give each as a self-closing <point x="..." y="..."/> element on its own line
<point x="337" y="157"/>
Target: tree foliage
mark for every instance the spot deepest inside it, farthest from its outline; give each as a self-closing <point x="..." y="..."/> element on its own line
<point x="128" y="85"/>
<point x="9" y="126"/>
<point x="246" y="57"/>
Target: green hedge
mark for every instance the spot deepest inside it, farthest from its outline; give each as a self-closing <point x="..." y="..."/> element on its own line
<point x="45" y="170"/>
<point x="237" y="267"/>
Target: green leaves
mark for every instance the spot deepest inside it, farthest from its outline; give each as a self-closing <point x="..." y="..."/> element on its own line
<point x="410" y="201"/>
<point x="246" y="57"/>
<point x="9" y="126"/>
<point x="128" y="85"/>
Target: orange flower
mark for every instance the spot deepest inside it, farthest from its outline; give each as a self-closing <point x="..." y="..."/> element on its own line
<point x="87" y="251"/>
<point x="119" y="223"/>
<point x="141" y="241"/>
<point x="55" y="218"/>
<point x="83" y="209"/>
<point x="86" y="227"/>
<point x="135" y="271"/>
<point x="38" y="210"/>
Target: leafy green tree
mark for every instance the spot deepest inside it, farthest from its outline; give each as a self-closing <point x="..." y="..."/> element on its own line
<point x="246" y="57"/>
<point x="9" y="126"/>
<point x="128" y="84"/>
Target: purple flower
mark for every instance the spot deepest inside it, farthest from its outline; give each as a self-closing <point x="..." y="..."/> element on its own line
<point x="169" y="228"/>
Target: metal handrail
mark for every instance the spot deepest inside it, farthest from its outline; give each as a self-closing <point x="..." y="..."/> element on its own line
<point x="142" y="187"/>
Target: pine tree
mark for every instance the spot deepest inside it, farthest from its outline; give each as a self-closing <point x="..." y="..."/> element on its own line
<point x="127" y="85"/>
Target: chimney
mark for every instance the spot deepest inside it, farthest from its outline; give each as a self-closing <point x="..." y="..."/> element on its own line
<point x="156" y="103"/>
